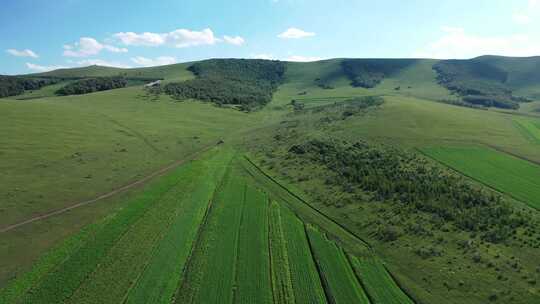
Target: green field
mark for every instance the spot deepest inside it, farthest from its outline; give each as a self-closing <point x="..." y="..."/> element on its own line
<point x="281" y="274"/>
<point x="305" y="279"/>
<point x="378" y="283"/>
<point x="253" y="273"/>
<point x="530" y="128"/>
<point x="204" y="203"/>
<point x="513" y="176"/>
<point x="341" y="282"/>
<point x="218" y="252"/>
<point x="58" y="279"/>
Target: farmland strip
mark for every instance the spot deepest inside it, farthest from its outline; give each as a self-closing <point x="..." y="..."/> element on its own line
<point x="340" y="282"/>
<point x="115" y="274"/>
<point x="281" y="274"/>
<point x="156" y="285"/>
<point x="516" y="177"/>
<point x="377" y="281"/>
<point x="58" y="284"/>
<point x="253" y="278"/>
<point x="305" y="278"/>
<point x="212" y="271"/>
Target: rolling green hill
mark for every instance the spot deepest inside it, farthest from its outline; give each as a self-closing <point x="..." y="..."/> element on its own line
<point x="351" y="180"/>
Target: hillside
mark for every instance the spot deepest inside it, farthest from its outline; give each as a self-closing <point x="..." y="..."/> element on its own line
<point x="254" y="181"/>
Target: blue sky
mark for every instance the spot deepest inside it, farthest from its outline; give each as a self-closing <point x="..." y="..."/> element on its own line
<point x="38" y="35"/>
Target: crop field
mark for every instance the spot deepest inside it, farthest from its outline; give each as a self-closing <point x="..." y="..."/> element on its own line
<point x="121" y="243"/>
<point x="281" y="273"/>
<point x="529" y="128"/>
<point x="253" y="252"/>
<point x="215" y="233"/>
<point x="156" y="285"/>
<point x="305" y="279"/>
<point x="513" y="176"/>
<point x="217" y="254"/>
<point x="341" y="283"/>
<point x="378" y="283"/>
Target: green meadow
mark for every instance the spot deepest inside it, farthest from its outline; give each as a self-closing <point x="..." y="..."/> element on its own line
<point x="137" y="196"/>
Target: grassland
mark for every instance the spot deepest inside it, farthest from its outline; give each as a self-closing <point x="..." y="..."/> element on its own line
<point x="513" y="176"/>
<point x="81" y="161"/>
<point x="105" y="140"/>
<point x="340" y="280"/>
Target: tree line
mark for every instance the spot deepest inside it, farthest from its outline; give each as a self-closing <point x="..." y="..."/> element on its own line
<point x="247" y="83"/>
<point x="390" y="174"/>
<point x="15" y="85"/>
<point x="477" y="83"/>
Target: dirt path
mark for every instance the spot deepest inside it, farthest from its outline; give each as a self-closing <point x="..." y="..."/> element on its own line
<point x="109" y="194"/>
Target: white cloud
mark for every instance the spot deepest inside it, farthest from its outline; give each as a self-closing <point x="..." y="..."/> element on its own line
<point x="295" y="33"/>
<point x="520" y="18"/>
<point x="179" y="38"/>
<point x="89" y="46"/>
<point x="146" y="39"/>
<point x="262" y="56"/>
<point x="22" y="53"/>
<point x="162" y="60"/>
<point x="528" y="14"/>
<point x="87" y="62"/>
<point x="298" y="58"/>
<point x="234" y="40"/>
<point x="41" y="68"/>
<point x="457" y="43"/>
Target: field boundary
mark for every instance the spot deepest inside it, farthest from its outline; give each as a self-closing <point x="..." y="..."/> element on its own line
<point x="359" y="280"/>
<point x="400" y="286"/>
<point x="129" y="186"/>
<point x="325" y="286"/>
<point x="368" y="246"/>
<point x="525" y="204"/>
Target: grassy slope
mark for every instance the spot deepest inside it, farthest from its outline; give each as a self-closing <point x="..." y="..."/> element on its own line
<point x="416" y="80"/>
<point x="411" y="122"/>
<point x="173" y="71"/>
<point x="58" y="151"/>
<point x="523" y="75"/>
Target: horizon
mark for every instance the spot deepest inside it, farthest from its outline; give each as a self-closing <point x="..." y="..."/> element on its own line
<point x="79" y="33"/>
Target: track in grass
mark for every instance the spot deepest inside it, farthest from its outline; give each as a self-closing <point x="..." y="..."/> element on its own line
<point x="513" y="176"/>
<point x="340" y="281"/>
<point x="379" y="285"/>
<point x="63" y="279"/>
